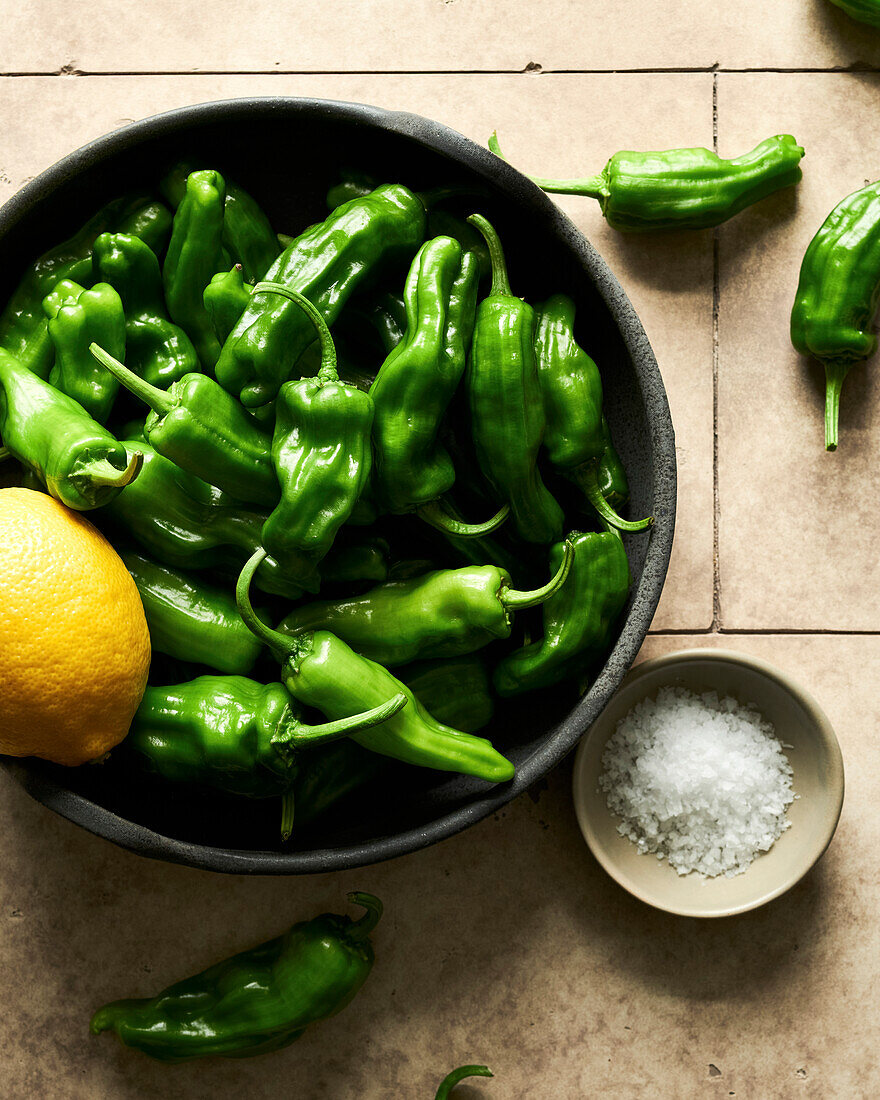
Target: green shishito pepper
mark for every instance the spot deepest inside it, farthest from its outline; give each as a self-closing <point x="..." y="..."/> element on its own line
<point x="193" y="258"/>
<point x="321" y="671"/>
<point x="156" y="349"/>
<point x="682" y="188"/>
<point x="326" y="263"/>
<point x="23" y="327"/>
<point x="205" y="431"/>
<point x="507" y="413"/>
<point x="259" y="1000"/>
<point x="79" y="461"/>
<point x="578" y="618"/>
<point x="77" y="317"/>
<point x="442" y="614"/>
<point x="226" y="297"/>
<point x="452" y="1079"/>
<point x="838" y="293"/>
<point x="576" y="436"/>
<point x="321" y="453"/>
<point x="866" y="11"/>
<point x="190" y="619"/>
<point x="224" y="732"/>
<point x="418" y="380"/>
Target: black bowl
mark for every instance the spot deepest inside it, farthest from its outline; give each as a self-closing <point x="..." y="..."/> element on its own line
<point x="287" y="152"/>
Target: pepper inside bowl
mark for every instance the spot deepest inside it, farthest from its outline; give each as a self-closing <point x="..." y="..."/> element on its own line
<point x="809" y="745"/>
<point x="403" y="809"/>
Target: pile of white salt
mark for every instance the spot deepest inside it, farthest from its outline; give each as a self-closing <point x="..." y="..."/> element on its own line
<point x="699" y="780"/>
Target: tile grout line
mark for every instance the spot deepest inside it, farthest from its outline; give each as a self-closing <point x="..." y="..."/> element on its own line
<point x="760" y="632"/>
<point x="716" y="297"/>
<point x="530" y="70"/>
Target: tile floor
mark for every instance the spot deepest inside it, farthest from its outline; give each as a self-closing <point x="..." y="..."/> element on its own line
<point x="507" y="943"/>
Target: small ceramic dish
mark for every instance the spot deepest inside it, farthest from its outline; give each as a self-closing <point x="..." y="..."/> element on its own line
<point x="814" y="755"/>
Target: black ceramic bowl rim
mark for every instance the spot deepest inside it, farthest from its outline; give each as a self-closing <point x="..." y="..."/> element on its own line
<point x="565" y="736"/>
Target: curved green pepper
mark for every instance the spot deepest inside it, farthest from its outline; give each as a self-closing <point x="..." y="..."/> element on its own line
<point x="442" y="614"/>
<point x="77" y="317"/>
<point x="226" y="297"/>
<point x="507" y="413"/>
<point x="866" y="11"/>
<point x="838" y="293"/>
<point x="682" y="188"/>
<point x="326" y="263"/>
<point x="156" y="349"/>
<point x="452" y="1079"/>
<point x="79" y="461"/>
<point x="578" y="617"/>
<point x="259" y="1000"/>
<point x="321" y="671"/>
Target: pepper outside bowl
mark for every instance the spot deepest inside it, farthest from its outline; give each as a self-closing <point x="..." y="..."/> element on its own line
<point x="811" y="748"/>
<point x="546" y="253"/>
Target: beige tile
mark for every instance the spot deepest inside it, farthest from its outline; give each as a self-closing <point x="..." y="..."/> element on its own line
<point x="506" y="944"/>
<point x="669" y="279"/>
<point x="798" y="527"/>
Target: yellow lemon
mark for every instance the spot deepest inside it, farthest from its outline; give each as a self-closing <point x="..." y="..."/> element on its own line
<point x="74" y="644"/>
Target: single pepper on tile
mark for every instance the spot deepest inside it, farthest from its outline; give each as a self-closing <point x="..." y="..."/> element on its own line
<point x="682" y="188"/>
<point x="506" y="407"/>
<point x="155" y="348"/>
<point x="865" y="11"/>
<point x="321" y="671"/>
<point x="205" y="431"/>
<point x="326" y="263"/>
<point x="442" y="614"/>
<point x="258" y="1001"/>
<point x="77" y="317"/>
<point x="575" y="438"/>
<point x="452" y="1079"/>
<point x="838" y="293"/>
<point x="78" y="460"/>
<point x="578" y="617"/>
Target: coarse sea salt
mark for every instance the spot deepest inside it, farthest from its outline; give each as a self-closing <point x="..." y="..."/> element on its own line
<point x="699" y="780"/>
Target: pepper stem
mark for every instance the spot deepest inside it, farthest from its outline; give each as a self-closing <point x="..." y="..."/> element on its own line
<point x="157" y="399"/>
<point x="452" y="1079"/>
<point x="328" y="371"/>
<point x="835" y="372"/>
<point x="594" y="187"/>
<point x="500" y="281"/>
<point x="299" y="734"/>
<point x="435" y="514"/>
<point x="279" y="644"/>
<point x="360" y="929"/>
<point x="586" y="477"/>
<point x="101" y="472"/>
<point x="519" y="601"/>
<point x="288" y="808"/>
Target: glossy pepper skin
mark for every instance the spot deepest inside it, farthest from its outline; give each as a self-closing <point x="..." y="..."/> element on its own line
<point x="321" y="453"/>
<point x="259" y="1000"/>
<point x="194" y="257"/>
<point x="578" y="617"/>
<point x="226" y="297"/>
<point x="682" y="188"/>
<point x="78" y="460"/>
<point x="205" y="431"/>
<point x="457" y="691"/>
<point x="418" y="379"/>
<point x="442" y="614"/>
<point x="865" y="11"/>
<point x="321" y="671"/>
<point x="326" y="263"/>
<point x="457" y="1075"/>
<point x="838" y="293"/>
<point x="504" y="395"/>
<point x="571" y="388"/>
<point x="23" y="327"/>
<point x="156" y="349"/>
<point x="191" y="619"/>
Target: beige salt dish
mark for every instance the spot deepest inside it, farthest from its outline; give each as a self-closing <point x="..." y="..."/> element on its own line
<point x="814" y="754"/>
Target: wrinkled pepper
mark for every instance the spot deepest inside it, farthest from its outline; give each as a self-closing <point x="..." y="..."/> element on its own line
<point x="865" y="11"/>
<point x="838" y="293"/>
<point x="504" y="395"/>
<point x="79" y="461"/>
<point x="355" y="561"/>
<point x="156" y="349"/>
<point x="457" y="1075"/>
<point x="205" y="431"/>
<point x="326" y="263"/>
<point x="226" y="298"/>
<point x="77" y="317"/>
<point x="193" y="258"/>
<point x="578" y="617"/>
<point x="442" y="614"/>
<point x="259" y="1000"/>
<point x="682" y="188"/>
<point x="572" y="391"/>
<point x="321" y="671"/>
